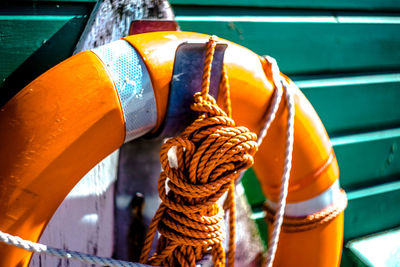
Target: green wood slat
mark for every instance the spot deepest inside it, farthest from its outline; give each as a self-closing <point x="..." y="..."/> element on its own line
<point x="347" y="260"/>
<point x="310" y="44"/>
<point x="318" y="4"/>
<point x="372" y="210"/>
<point x="368" y="159"/>
<point x="252" y="188"/>
<point x="18" y="41"/>
<point x="355" y="103"/>
<point x="50" y="8"/>
<point x="33" y="44"/>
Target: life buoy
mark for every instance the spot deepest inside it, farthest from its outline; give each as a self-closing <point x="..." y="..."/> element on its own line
<point x="71" y="117"/>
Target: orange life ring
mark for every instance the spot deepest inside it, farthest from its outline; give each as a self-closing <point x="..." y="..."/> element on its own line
<point x="71" y="117"/>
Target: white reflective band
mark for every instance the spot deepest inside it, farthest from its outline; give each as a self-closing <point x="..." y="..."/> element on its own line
<point x="133" y="85"/>
<point x="311" y="206"/>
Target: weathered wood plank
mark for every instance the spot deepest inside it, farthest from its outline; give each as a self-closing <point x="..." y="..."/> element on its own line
<point x="315" y="4"/>
<point x="317" y="42"/>
<point x="349" y="104"/>
<point x="84" y="221"/>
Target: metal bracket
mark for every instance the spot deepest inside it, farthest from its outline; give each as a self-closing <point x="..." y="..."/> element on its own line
<point x="186" y="80"/>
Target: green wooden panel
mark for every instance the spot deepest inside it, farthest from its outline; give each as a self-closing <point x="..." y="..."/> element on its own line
<point x="371" y="210"/>
<point x="252" y="188"/>
<point x="347" y="260"/>
<point x="369" y="158"/>
<point x="321" y="4"/>
<point x="51" y="8"/>
<point x="319" y="43"/>
<point x="355" y="103"/>
<point x="262" y="229"/>
<point x="31" y="44"/>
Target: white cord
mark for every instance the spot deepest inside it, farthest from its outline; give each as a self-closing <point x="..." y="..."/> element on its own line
<point x="83" y="257"/>
<point x="276" y="79"/>
<point x="280" y="82"/>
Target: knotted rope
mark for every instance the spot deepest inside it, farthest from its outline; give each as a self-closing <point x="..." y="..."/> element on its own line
<point x="199" y="167"/>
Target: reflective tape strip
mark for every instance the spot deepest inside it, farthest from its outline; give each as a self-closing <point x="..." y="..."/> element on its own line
<point x="313" y="205"/>
<point x="133" y="84"/>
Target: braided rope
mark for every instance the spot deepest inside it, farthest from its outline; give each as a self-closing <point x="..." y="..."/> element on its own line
<point x="66" y="254"/>
<point x="280" y="83"/>
<point x="199" y="167"/>
<point x="276" y="79"/>
<point x="305" y="223"/>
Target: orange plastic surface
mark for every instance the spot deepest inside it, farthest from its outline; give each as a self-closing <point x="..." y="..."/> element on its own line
<point x="68" y="119"/>
<point x="318" y="247"/>
<point x="52" y="133"/>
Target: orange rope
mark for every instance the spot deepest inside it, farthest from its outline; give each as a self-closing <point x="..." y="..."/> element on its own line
<point x="199" y="167"/>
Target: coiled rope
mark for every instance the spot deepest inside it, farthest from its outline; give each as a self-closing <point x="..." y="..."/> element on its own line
<point x="199" y="167"/>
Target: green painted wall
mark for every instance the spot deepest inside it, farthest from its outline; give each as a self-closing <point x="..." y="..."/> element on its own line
<point x="35" y="36"/>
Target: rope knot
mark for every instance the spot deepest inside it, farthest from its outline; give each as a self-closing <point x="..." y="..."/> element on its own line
<point x="199" y="167"/>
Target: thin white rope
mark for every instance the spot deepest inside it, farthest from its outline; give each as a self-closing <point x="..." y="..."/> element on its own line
<point x="280" y="82"/>
<point x="66" y="254"/>
<point x="276" y="79"/>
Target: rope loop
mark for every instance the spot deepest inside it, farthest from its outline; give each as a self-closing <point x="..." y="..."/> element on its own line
<point x="199" y="167"/>
<point x="306" y="223"/>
